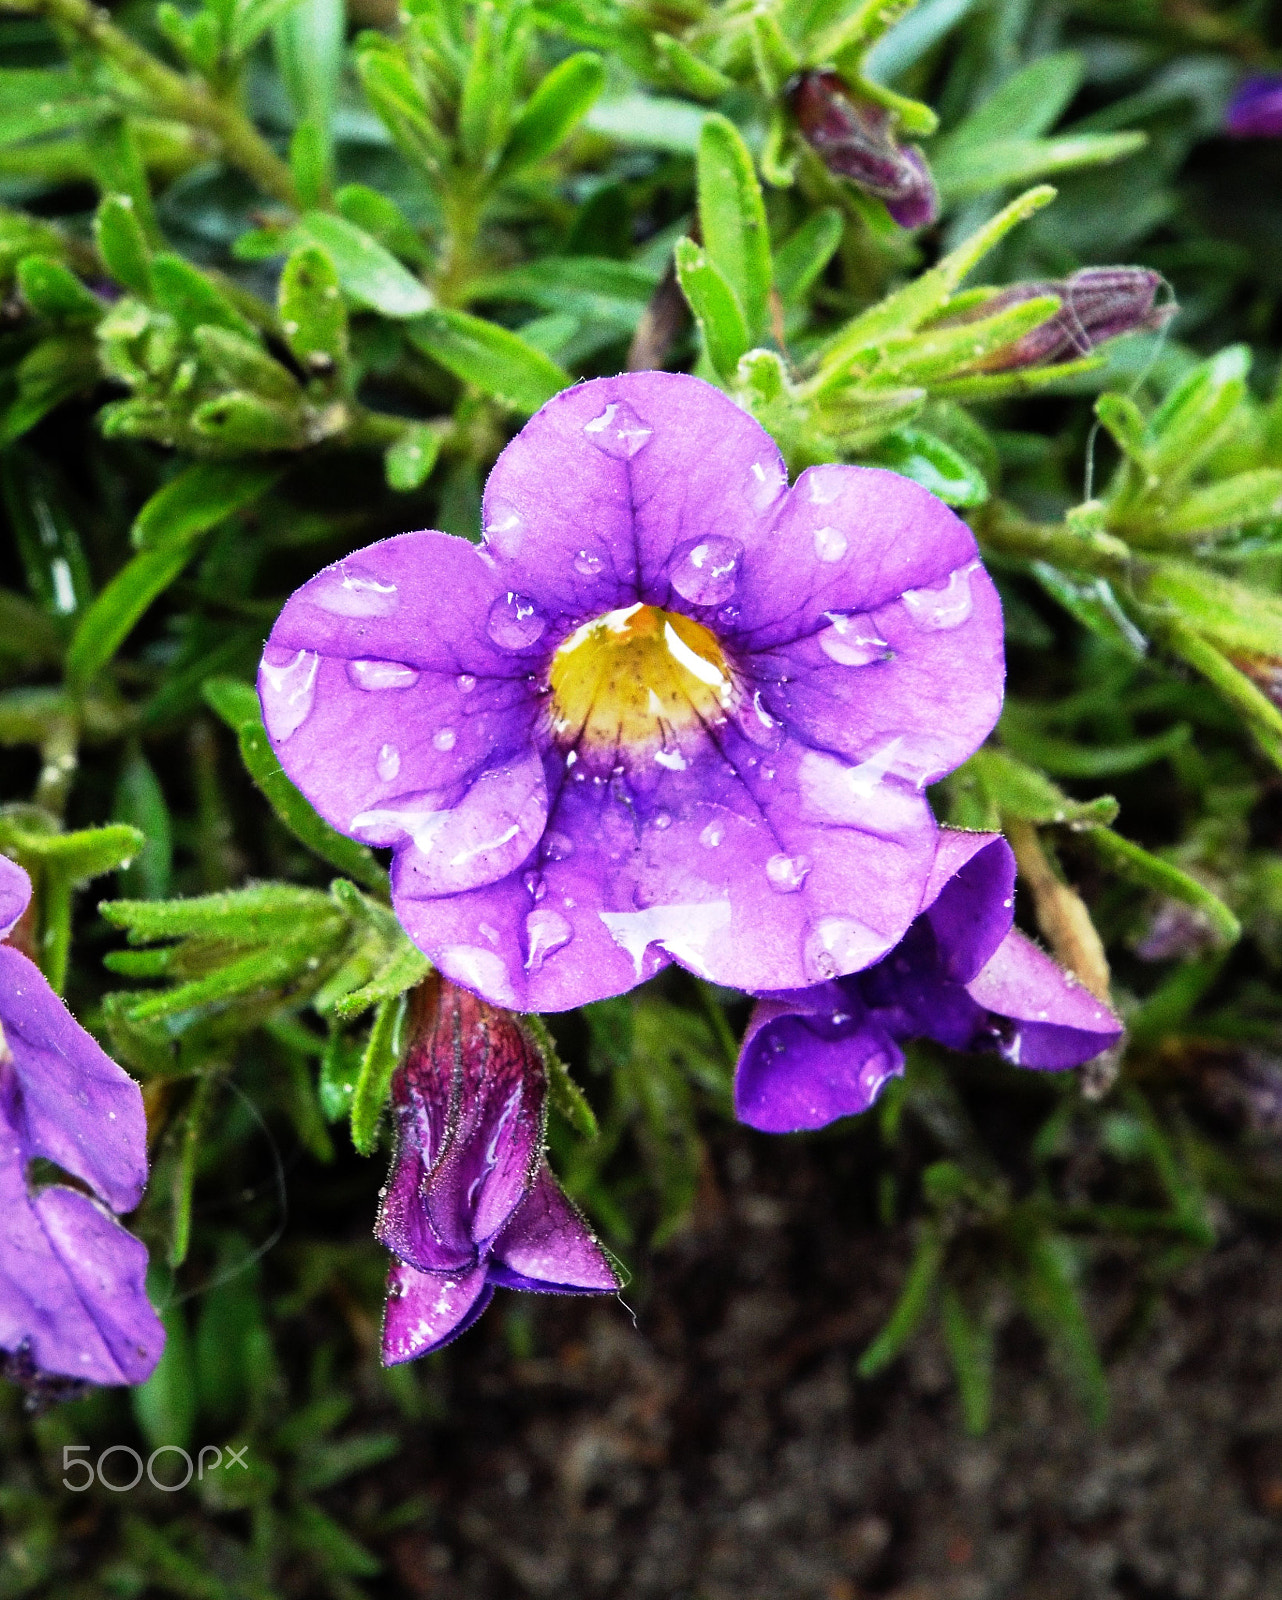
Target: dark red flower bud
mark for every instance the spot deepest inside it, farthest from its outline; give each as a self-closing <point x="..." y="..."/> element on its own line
<point x="855" y="138"/>
<point x="1096" y="304"/>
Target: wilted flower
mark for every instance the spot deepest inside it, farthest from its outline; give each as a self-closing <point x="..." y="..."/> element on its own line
<point x="72" y="1298"/>
<point x="854" y="137"/>
<point x="470" y="1203"/>
<point x="962" y="976"/>
<point x="1255" y="111"/>
<point x="671" y="709"/>
<point x="1096" y="304"/>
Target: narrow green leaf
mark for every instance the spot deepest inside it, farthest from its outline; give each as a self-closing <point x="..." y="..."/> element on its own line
<point x="970" y="1345"/>
<point x="312" y="314"/>
<point x="976" y="169"/>
<point x="390" y="89"/>
<point x="191" y="298"/>
<point x="108" y="622"/>
<point x="732" y="215"/>
<point x="1192" y="419"/>
<point x="140" y="803"/>
<point x="410" y="460"/>
<point x="122" y="244"/>
<point x="54" y="291"/>
<point x="553" y="111"/>
<point x="383" y="220"/>
<point x="802" y="257"/>
<point x="374" y="1081"/>
<point x="1021" y="791"/>
<point x="715" y="305"/>
<point x="199" y="498"/>
<point x="87" y="853"/>
<point x="565" y="1095"/>
<point x="693" y="74"/>
<point x="195" y="1127"/>
<point x="911" y="1307"/>
<point x="1140" y="866"/>
<point x="370" y="275"/>
<point x="490" y="358"/>
<point x="927" y="460"/>
<point x="238" y="421"/>
<point x="243" y="364"/>
<point x="1051" y="1294"/>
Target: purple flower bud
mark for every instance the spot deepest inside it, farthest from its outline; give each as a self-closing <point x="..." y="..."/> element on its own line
<point x="1255" y="111"/>
<point x="470" y="1203"/>
<point x="73" y="1305"/>
<point x="855" y="138"/>
<point x="1096" y="304"/>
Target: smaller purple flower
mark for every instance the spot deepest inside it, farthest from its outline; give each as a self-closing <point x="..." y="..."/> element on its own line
<point x="962" y="975"/>
<point x="470" y="1203"/>
<point x="1255" y="111"/>
<point x="854" y="137"/>
<point x="72" y="1299"/>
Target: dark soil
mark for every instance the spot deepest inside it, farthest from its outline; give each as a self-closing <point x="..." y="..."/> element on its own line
<point x="724" y="1450"/>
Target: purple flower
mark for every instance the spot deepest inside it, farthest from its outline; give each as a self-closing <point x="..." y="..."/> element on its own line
<point x="854" y="137"/>
<point x="470" y="1203"/>
<point x="670" y="710"/>
<point x="1255" y="111"/>
<point x="962" y="976"/>
<point x="72" y="1300"/>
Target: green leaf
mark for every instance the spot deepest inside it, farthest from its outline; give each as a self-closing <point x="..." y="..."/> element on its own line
<point x="691" y="72"/>
<point x="110" y="619"/>
<point x="1191" y="421"/>
<point x="308" y="41"/>
<point x="250" y="19"/>
<point x="802" y="257"/>
<point x="490" y="358"/>
<point x="383" y="220"/>
<point x="122" y="244"/>
<point x="54" y="371"/>
<point x="312" y="314"/>
<point x="1017" y="790"/>
<point x="243" y="363"/>
<point x="410" y="460"/>
<point x="564" y="1094"/>
<point x="911" y="1307"/>
<point x="165" y="1406"/>
<point x="238" y="421"/>
<point x="238" y="706"/>
<point x="36" y="102"/>
<point x="140" y="803"/>
<point x="191" y="298"/>
<point x="390" y="89"/>
<point x="87" y="853"/>
<point x="1095" y="605"/>
<point x="118" y="168"/>
<point x="553" y="111"/>
<point x="309" y="163"/>
<point x="732" y="215"/>
<point x="649" y="121"/>
<point x="1053" y="1301"/>
<point x="54" y="291"/>
<point x="48" y="543"/>
<point x="199" y="498"/>
<point x="1030" y="102"/>
<point x="979" y="168"/>
<point x="1129" y="860"/>
<point x="1088" y="761"/>
<point x="927" y="460"/>
<point x="1247" y="497"/>
<point x="970" y="1345"/>
<point x="370" y="275"/>
<point x="374" y="1081"/>
<point x="715" y="305"/>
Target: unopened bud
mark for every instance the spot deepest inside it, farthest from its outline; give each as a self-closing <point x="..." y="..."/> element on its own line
<point x="1096" y="304"/>
<point x="1255" y="111"/>
<point x="854" y="137"/>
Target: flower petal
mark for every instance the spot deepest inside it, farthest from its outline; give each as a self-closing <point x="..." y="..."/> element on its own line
<point x="384" y="692"/>
<point x="605" y="495"/>
<point x="969" y="899"/>
<point x="71" y="1279"/>
<point x="1057" y="1022"/>
<point x="810" y="1059"/>
<point x="15" y="894"/>
<point x="77" y="1107"/>
<point x="426" y="1310"/>
<point x="548" y="1247"/>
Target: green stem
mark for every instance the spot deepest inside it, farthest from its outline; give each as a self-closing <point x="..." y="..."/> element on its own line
<point x="1003" y="530"/>
<point x="185" y="99"/>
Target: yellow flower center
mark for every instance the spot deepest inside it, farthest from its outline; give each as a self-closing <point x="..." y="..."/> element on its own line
<point x="635" y="676"/>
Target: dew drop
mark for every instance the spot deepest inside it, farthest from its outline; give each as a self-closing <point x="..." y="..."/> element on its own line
<point x="535" y="885"/>
<point x="662" y="820"/>
<point x="503" y="527"/>
<point x="444" y="739"/>
<point x="757" y="724"/>
<point x="837" y="945"/>
<point x="767" y="480"/>
<point x="939" y="609"/>
<point x="515" y="623"/>
<point x="474" y="967"/>
<point x="673" y="760"/>
<point x="587" y="564"/>
<point x="706" y="572"/>
<point x="852" y="641"/>
<point x="788" y="873"/>
<point x="557" y="846"/>
<point x="712" y="835"/>
<point x="830" y="544"/>
<point x="388" y="764"/>
<point x="288" y="692"/>
<point x="381" y="675"/>
<point x="618" y="431"/>
<point x="824" y="484"/>
<point x="546" y="931"/>
<point x="465" y="682"/>
<point x="351" y="594"/>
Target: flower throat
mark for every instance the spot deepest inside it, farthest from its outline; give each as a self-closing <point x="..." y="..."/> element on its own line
<point x="634" y="675"/>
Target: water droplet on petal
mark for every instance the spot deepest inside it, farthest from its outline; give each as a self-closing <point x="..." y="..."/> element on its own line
<point x="288" y="691"/>
<point x="662" y="820"/>
<point x="444" y="739"/>
<point x="767" y="480"/>
<point x="466" y="682"/>
<point x="557" y="846"/>
<point x="381" y="675"/>
<point x="352" y="594"/>
<point x="673" y="760"/>
<point x="474" y="967"/>
<point x="503" y="527"/>
<point x="830" y="544"/>
<point x="618" y="431"/>
<point x="706" y="572"/>
<point x="587" y="564"/>
<point x="876" y="1072"/>
<point x="787" y="873"/>
<point x="535" y="885"/>
<point x="712" y="835"/>
<point x="388" y="764"/>
<point x="837" y="945"/>
<point x="852" y="641"/>
<point x="757" y="724"/>
<point x="515" y="623"/>
<point x="546" y="931"/>
<point x="949" y="607"/>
